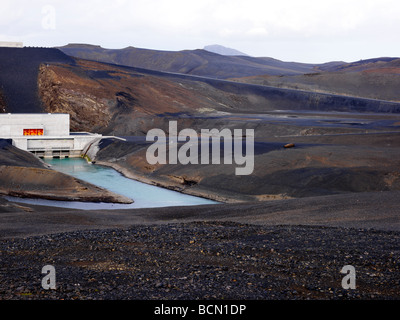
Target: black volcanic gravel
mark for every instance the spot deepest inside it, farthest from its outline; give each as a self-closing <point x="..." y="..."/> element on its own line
<point x="203" y="260"/>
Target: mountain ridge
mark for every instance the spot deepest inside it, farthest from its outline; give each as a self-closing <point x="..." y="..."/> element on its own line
<point x="194" y="62"/>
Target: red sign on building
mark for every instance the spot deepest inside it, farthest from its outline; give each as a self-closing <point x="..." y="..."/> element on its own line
<point x="33" y="132"/>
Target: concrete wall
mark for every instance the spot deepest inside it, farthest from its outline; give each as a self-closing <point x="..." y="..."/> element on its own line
<point x="55" y="142"/>
<point x="55" y="124"/>
<point x="81" y="142"/>
<point x="45" y="144"/>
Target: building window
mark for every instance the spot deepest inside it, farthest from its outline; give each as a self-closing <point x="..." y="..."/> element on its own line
<point x="33" y="132"/>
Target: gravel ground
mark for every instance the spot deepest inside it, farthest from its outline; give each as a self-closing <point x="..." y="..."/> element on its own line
<point x="203" y="260"/>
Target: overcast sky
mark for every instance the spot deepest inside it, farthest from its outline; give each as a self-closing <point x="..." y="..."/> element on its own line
<point x="291" y="30"/>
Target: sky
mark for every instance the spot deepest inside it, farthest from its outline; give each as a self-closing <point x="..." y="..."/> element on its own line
<point x="312" y="31"/>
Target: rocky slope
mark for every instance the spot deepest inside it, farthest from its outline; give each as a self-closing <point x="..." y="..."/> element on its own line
<point x="193" y="62"/>
<point x="116" y="100"/>
<point x="375" y="79"/>
<point x="129" y="101"/>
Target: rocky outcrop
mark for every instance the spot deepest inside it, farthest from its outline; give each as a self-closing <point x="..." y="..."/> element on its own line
<point x="118" y="101"/>
<point x="62" y="91"/>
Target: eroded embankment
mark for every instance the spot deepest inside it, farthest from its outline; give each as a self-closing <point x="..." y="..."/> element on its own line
<point x="24" y="175"/>
<point x="52" y="185"/>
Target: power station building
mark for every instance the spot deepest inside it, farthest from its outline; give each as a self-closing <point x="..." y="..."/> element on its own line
<point x="44" y="134"/>
<point x="10" y="44"/>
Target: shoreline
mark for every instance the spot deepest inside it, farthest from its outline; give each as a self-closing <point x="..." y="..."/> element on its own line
<point x="130" y="174"/>
<point x="49" y="184"/>
<point x="222" y="198"/>
<point x="109" y="198"/>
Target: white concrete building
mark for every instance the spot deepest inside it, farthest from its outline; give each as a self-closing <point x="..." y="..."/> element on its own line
<point x="10" y="44"/>
<point x="44" y="134"/>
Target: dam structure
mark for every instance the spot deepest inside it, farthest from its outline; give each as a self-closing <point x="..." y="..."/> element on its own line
<point x="46" y="135"/>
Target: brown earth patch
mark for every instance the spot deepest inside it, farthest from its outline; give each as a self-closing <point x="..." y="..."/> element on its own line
<point x="52" y="185"/>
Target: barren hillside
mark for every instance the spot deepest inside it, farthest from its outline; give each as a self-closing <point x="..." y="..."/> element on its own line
<point x="375" y="79"/>
<point x="195" y="62"/>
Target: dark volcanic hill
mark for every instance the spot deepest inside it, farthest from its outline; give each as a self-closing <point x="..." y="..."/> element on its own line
<point x="194" y="62"/>
<point x="361" y="65"/>
<point x="19" y="69"/>
<point x="374" y="78"/>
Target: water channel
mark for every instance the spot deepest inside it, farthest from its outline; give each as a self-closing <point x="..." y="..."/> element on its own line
<point x="144" y="195"/>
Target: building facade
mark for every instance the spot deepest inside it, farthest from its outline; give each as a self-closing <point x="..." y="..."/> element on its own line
<point x="10" y="44"/>
<point x="44" y="134"/>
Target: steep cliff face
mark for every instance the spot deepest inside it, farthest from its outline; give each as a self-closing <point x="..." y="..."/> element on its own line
<point x="116" y="100"/>
<point x="61" y="90"/>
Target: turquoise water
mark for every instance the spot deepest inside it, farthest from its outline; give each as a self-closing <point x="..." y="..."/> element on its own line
<point x="144" y="195"/>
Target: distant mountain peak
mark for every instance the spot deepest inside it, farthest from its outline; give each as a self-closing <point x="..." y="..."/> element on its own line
<point x="216" y="48"/>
